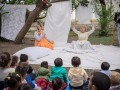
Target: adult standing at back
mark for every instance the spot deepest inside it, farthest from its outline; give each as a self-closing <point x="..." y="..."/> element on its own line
<point x="117" y="21"/>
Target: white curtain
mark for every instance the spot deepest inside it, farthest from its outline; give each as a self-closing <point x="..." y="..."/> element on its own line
<point x="13" y="21"/>
<point x="84" y="14"/>
<point x="58" y="21"/>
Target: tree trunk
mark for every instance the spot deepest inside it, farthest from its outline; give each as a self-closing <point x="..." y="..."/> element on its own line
<point x="0" y="24"/>
<point x="32" y="16"/>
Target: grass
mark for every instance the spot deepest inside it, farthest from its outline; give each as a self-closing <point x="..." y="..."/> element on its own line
<point x="95" y="39"/>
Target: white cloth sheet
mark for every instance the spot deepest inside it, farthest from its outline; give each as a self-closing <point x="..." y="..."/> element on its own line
<point x="58" y="21"/>
<point x="89" y="60"/>
<point x="13" y="21"/>
<point x="84" y="14"/>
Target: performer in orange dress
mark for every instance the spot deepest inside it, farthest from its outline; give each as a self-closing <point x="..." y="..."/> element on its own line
<point x="41" y="39"/>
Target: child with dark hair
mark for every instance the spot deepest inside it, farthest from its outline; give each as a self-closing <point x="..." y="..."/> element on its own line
<point x="43" y="75"/>
<point x="14" y="63"/>
<point x="76" y="74"/>
<point x="56" y="83"/>
<point x="44" y="64"/>
<point x="22" y="70"/>
<point x="99" y="81"/>
<point x="24" y="58"/>
<point x="5" y="61"/>
<point x="105" y="68"/>
<point x="12" y="81"/>
<point x="58" y="71"/>
<point x="24" y="87"/>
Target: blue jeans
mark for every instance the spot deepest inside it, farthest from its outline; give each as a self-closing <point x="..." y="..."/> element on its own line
<point x="118" y="29"/>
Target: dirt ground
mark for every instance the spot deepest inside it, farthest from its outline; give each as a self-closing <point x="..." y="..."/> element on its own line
<point x="8" y="46"/>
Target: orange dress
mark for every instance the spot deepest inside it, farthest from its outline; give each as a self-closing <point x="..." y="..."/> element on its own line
<point x="44" y="43"/>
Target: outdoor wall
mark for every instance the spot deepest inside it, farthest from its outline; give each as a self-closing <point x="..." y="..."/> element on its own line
<point x="13" y="21"/>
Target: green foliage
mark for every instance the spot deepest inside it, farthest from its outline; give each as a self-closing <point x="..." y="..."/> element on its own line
<point x="76" y="3"/>
<point x="106" y="14"/>
<point x="18" y="1"/>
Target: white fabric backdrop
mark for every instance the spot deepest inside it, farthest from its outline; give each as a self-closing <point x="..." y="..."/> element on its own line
<point x="58" y="21"/>
<point x="13" y="21"/>
<point x="84" y="14"/>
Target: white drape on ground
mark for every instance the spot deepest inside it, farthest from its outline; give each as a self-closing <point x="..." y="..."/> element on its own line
<point x="58" y="21"/>
<point x="89" y="59"/>
<point x="84" y="14"/>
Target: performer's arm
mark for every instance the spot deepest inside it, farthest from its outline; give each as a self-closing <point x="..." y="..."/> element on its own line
<point x="75" y="31"/>
<point x="37" y="36"/>
<point x="47" y="37"/>
<point x="91" y="31"/>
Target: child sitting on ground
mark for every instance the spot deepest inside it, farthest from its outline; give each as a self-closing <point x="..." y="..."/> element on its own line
<point x="12" y="81"/>
<point x="56" y="83"/>
<point x="77" y="75"/>
<point x="14" y="63"/>
<point x="105" y="68"/>
<point x="24" y="59"/>
<point x="5" y="61"/>
<point x="43" y="75"/>
<point x="58" y="71"/>
<point x="22" y="70"/>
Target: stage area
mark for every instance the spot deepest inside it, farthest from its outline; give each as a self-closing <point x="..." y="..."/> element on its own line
<point x="89" y="60"/>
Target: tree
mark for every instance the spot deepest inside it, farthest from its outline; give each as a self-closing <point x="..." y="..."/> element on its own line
<point x="76" y="3"/>
<point x="105" y="13"/>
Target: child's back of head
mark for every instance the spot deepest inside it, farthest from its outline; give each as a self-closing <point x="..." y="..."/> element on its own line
<point x="22" y="70"/>
<point x="56" y="83"/>
<point x="4" y="59"/>
<point x="23" y="58"/>
<point x="105" y="66"/>
<point x="58" y="62"/>
<point x="14" y="61"/>
<point x="12" y="81"/>
<point x="24" y="87"/>
<point x="75" y="61"/>
<point x="44" y="64"/>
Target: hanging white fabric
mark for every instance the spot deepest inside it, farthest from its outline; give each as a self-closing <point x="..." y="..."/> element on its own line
<point x="58" y="21"/>
<point x="84" y="14"/>
<point x="13" y="21"/>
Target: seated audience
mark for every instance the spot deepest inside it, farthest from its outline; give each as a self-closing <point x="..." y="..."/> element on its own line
<point x="99" y="81"/>
<point x="105" y="68"/>
<point x="5" y="61"/>
<point x="58" y="71"/>
<point x="115" y="80"/>
<point x="41" y="38"/>
<point x="12" y="81"/>
<point x="77" y="75"/>
<point x="43" y="76"/>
